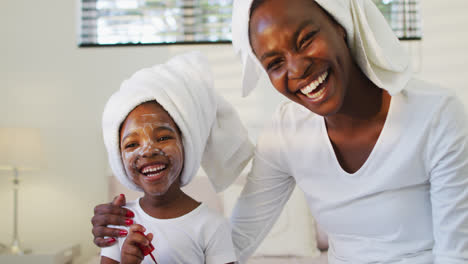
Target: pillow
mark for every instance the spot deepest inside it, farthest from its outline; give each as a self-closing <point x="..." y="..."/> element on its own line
<point x="294" y="232"/>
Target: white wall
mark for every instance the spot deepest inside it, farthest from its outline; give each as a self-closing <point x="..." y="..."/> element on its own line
<point x="444" y="48"/>
<point x="47" y="82"/>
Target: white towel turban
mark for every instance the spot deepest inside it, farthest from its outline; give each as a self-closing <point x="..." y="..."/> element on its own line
<point x="372" y="42"/>
<point x="212" y="132"/>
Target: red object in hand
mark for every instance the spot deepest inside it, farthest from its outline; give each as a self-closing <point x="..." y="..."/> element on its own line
<point x="147" y="249"/>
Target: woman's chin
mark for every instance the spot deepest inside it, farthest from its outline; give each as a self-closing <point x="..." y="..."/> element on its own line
<point x="329" y="105"/>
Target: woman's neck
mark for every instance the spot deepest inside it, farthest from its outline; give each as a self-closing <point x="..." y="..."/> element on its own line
<point x="364" y="103"/>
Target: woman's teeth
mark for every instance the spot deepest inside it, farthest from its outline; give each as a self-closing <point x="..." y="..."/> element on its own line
<point x="313" y="85"/>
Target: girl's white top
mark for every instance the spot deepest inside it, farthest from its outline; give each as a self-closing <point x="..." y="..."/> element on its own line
<point x="200" y="237"/>
<point x="408" y="203"/>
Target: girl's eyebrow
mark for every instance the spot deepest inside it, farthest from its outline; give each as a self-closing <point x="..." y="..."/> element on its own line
<point x="162" y="127"/>
<point x="165" y="127"/>
<point x="128" y="135"/>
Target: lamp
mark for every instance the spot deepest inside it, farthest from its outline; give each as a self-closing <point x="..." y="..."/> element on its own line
<point x="20" y="150"/>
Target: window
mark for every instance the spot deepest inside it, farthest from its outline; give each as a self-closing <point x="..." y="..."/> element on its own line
<point x="136" y="22"/>
<point x="404" y="16"/>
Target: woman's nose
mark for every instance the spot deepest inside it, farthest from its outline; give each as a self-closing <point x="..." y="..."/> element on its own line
<point x="297" y="67"/>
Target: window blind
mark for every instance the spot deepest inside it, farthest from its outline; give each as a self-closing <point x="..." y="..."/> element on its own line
<point x="134" y="22"/>
<point x="404" y="16"/>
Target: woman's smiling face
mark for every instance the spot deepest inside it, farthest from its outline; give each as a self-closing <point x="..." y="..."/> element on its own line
<point x="151" y="148"/>
<point x="303" y="51"/>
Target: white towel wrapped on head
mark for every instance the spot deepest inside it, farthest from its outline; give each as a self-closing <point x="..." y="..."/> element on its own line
<point x="371" y="41"/>
<point x="212" y="132"/>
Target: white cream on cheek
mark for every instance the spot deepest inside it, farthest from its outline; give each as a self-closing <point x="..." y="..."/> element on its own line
<point x="147" y="143"/>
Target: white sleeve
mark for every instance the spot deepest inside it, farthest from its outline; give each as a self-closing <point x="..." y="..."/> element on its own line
<point x="220" y="249"/>
<point x="112" y="252"/>
<point x="448" y="161"/>
<point x="265" y="193"/>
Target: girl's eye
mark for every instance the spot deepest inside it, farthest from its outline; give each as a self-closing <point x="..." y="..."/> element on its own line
<point x="163" y="138"/>
<point x="274" y="64"/>
<point x="306" y="38"/>
<point x="131" y="145"/>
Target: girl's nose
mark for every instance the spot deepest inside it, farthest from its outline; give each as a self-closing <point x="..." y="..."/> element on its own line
<point x="149" y="150"/>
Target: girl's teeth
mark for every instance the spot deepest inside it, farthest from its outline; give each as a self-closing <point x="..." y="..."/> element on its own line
<point x="153" y="174"/>
<point x="314" y="84"/>
<point x="153" y="169"/>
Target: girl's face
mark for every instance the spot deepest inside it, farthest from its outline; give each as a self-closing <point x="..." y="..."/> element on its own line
<point x="151" y="148"/>
<point x="303" y="51"/>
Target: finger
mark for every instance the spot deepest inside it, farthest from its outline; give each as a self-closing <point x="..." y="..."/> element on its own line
<point x="136" y="239"/>
<point x="104" y="242"/>
<point x="112" y="209"/>
<point x="127" y="258"/>
<point x="119" y="200"/>
<point x="137" y="228"/>
<point x="150" y="236"/>
<point x="103" y="231"/>
<point x="132" y="251"/>
<point x="108" y="219"/>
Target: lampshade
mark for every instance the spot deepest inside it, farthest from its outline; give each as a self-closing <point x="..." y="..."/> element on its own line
<point x="20" y="148"/>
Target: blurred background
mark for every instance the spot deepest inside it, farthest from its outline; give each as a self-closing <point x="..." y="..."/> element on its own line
<point x="49" y="83"/>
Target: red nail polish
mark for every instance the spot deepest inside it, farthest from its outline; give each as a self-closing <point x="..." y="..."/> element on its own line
<point x="123" y="233"/>
<point x="128" y="222"/>
<point x="129" y="214"/>
<point x="145" y="249"/>
<point x="110" y="240"/>
<point x="122" y="194"/>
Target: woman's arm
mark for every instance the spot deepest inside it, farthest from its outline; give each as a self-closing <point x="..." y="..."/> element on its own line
<point x="257" y="209"/>
<point x="110" y="214"/>
<point x="265" y="193"/>
<point x="448" y="161"/>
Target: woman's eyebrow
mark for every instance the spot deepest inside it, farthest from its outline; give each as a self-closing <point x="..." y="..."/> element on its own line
<point x="268" y="54"/>
<point x="301" y="27"/>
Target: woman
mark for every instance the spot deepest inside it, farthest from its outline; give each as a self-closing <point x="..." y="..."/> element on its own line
<point x="381" y="157"/>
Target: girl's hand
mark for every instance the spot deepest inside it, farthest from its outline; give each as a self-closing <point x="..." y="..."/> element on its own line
<point x="110" y="214"/>
<point x="131" y="252"/>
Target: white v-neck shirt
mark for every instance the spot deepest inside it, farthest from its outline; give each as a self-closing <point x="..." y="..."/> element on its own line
<point x="408" y="203"/>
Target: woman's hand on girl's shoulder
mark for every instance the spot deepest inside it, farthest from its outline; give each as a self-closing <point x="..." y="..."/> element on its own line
<point x="110" y="214"/>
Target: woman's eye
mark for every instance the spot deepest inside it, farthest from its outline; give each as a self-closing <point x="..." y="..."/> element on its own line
<point x="274" y="64"/>
<point x="306" y="38"/>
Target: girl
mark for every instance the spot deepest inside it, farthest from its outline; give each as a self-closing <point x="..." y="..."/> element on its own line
<point x="157" y="128"/>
